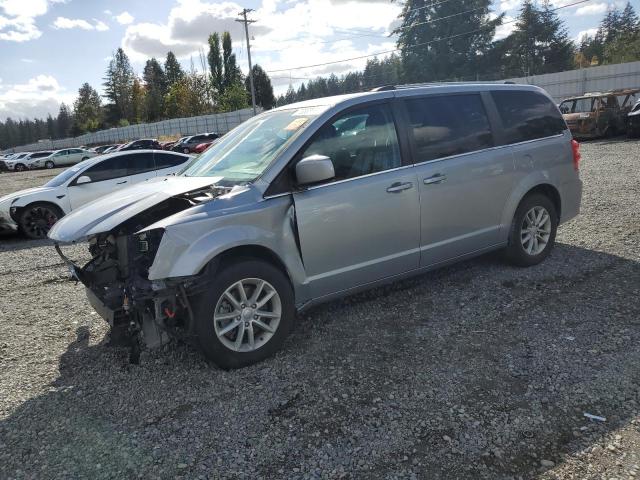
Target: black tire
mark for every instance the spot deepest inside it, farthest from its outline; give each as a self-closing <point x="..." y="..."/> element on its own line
<point x="20" y="167"/>
<point x="205" y="305"/>
<point x="85" y="158"/>
<point x="49" y="164"/>
<point x="35" y="220"/>
<point x="515" y="251"/>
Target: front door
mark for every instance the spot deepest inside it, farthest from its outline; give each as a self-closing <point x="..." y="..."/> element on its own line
<point x="463" y="182"/>
<point x="105" y="177"/>
<point x="363" y="225"/>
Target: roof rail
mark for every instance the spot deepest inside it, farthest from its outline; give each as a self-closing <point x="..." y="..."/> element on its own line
<point x="383" y="88"/>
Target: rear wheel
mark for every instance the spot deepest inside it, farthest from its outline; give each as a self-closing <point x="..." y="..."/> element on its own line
<point x="533" y="231"/>
<point x="49" y="164"/>
<point x="246" y="315"/>
<point x="36" y="220"/>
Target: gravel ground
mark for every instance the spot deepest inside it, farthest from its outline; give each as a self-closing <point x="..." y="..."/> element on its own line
<point x="479" y="370"/>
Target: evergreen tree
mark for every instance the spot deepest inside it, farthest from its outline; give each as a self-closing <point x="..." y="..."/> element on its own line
<point x="64" y="122"/>
<point x="172" y="69"/>
<point x="87" y="110"/>
<point x="435" y="42"/>
<point x="539" y="43"/>
<point x="629" y="23"/>
<point x="214" y="58"/>
<point x="156" y="88"/>
<point x="118" y="83"/>
<point x="262" y="86"/>
<point x="51" y="127"/>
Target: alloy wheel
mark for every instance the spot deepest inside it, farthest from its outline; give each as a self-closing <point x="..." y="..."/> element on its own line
<point x="37" y="221"/>
<point x="247" y="315"/>
<point x="535" y="230"/>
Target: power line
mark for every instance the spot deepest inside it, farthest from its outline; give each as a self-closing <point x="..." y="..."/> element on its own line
<point x="385" y="52"/>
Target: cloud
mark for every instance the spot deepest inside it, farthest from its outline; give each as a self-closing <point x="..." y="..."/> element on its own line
<point x="590" y="32"/>
<point x="504" y="30"/>
<point x="100" y="25"/>
<point x="280" y="29"/>
<point x="125" y="18"/>
<point x="17" y="18"/>
<point x="38" y="97"/>
<point x="506" y="5"/>
<point x="63" y="23"/>
<point x="592" y="9"/>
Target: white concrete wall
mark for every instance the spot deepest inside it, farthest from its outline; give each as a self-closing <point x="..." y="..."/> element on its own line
<point x="593" y="79"/>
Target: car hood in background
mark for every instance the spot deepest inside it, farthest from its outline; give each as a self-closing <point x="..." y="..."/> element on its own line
<point x="7" y="200"/>
<point x="106" y="213"/>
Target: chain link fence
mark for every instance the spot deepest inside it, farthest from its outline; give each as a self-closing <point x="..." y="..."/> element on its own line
<point x="218" y="122"/>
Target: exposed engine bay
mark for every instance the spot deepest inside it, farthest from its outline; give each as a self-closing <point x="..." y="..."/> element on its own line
<point x="117" y="278"/>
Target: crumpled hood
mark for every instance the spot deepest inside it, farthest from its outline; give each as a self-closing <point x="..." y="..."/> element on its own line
<point x="106" y="213"/>
<point x="7" y="200"/>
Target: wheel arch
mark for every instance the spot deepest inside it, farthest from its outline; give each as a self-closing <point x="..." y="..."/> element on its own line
<point x="550" y="192"/>
<point x="538" y="183"/>
<point x="253" y="251"/>
<point x="20" y="208"/>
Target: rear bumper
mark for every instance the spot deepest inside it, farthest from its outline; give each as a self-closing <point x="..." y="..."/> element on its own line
<point x="571" y="198"/>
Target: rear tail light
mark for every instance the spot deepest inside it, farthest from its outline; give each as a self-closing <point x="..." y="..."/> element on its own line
<point x="575" y="149"/>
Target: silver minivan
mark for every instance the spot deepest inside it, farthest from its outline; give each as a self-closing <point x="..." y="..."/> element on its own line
<point x="319" y="199"/>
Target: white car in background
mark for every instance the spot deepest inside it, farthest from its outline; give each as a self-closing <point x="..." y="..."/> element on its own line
<point x="35" y="210"/>
<point x="10" y="162"/>
<point x="64" y="157"/>
<point x="26" y="162"/>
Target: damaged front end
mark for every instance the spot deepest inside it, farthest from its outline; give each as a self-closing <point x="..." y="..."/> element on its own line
<point x="117" y="278"/>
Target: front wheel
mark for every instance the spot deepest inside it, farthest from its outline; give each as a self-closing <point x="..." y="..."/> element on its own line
<point x="246" y="315"/>
<point x="186" y="150"/>
<point x="36" y="220"/>
<point x="533" y="231"/>
<point x="49" y="164"/>
<point x="20" y="167"/>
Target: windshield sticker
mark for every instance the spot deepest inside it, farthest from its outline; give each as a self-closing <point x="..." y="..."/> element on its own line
<point x="295" y="124"/>
<point x="309" y="111"/>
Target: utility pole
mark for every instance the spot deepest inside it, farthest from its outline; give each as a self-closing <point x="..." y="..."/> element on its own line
<point x="246" y="22"/>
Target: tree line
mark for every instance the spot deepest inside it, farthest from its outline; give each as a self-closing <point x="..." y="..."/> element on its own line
<point x="437" y="41"/>
<point x="163" y="91"/>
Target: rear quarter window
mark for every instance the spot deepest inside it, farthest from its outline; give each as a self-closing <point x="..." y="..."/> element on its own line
<point x="166" y="160"/>
<point x="527" y="115"/>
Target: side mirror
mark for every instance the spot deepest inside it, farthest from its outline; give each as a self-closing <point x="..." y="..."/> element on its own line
<point x="83" y="179"/>
<point x="314" y="169"/>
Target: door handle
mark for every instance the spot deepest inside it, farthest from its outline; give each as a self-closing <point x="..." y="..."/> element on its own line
<point x="437" y="178"/>
<point x="120" y="183"/>
<point x="399" y="187"/>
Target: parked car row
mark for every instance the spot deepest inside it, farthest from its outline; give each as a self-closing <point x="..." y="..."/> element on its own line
<point x="44" y="159"/>
<point x="69" y="156"/>
<point x="34" y="211"/>
<point x="597" y="114"/>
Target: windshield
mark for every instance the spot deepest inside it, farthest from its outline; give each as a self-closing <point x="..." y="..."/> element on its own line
<point x="65" y="176"/>
<point x="244" y="153"/>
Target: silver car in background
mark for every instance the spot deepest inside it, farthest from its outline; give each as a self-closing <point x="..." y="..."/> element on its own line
<point x="320" y="199"/>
